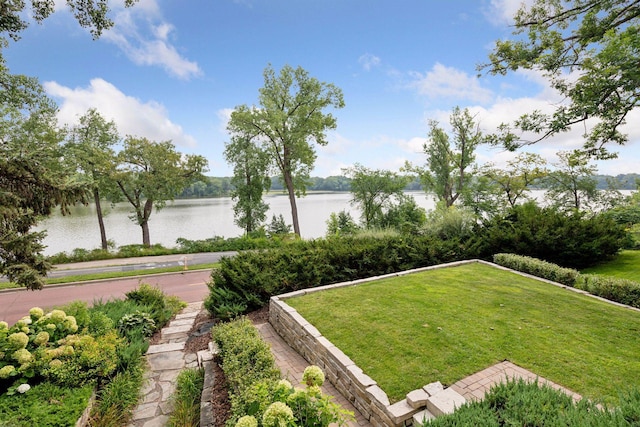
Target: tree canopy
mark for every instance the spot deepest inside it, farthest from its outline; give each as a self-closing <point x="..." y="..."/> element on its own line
<point x="450" y="158"/>
<point x="375" y="192"/>
<point x="33" y="181"/>
<point x="152" y="173"/>
<point x="92" y="14"/>
<point x="89" y="149"/>
<point x="589" y="52"/>
<point x="250" y="181"/>
<point x="290" y="118"/>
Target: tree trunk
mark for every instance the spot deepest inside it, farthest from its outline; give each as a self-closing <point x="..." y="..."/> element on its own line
<point x="292" y="200"/>
<point x="148" y="207"/>
<point x="103" y="233"/>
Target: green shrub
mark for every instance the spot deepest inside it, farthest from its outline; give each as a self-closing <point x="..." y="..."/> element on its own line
<point x="248" y="280"/>
<point x="162" y="308"/>
<point x="246" y="358"/>
<point x="612" y="288"/>
<point x="137" y="320"/>
<point x="258" y="396"/>
<point x="46" y="346"/>
<point x="574" y="240"/>
<point x="539" y="268"/>
<point x="186" y="399"/>
<point x="522" y="403"/>
<point x="256" y="240"/>
<point x="80" y="359"/>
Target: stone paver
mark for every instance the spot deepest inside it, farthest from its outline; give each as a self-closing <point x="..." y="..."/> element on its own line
<point x="475" y="386"/>
<point x="165" y="361"/>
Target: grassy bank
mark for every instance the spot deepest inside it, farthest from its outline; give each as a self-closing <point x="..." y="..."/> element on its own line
<point x="446" y="324"/>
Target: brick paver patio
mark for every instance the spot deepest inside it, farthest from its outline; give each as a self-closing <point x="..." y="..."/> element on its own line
<point x="475" y="386"/>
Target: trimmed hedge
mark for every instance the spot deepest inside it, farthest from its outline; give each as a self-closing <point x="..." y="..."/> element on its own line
<point x="521" y="403"/>
<point x="612" y="288"/>
<point x="247" y="281"/>
<point x="623" y="291"/>
<point x="539" y="268"/>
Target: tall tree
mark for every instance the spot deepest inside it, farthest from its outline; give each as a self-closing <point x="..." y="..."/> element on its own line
<point x="288" y="120"/>
<point x="597" y="41"/>
<point x="375" y="192"/>
<point x="506" y="187"/>
<point x="90" y="148"/>
<point x="250" y="179"/>
<point x="572" y="186"/>
<point x="151" y="173"/>
<point x="33" y="179"/>
<point x="450" y="159"/>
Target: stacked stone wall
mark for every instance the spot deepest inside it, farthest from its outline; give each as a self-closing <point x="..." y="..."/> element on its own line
<point x="356" y="386"/>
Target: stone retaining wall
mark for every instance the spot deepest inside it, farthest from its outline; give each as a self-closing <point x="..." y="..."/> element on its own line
<point x="340" y="370"/>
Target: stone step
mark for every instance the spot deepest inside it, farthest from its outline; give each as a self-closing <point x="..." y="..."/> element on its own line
<point x="421" y="417"/>
<point x="445" y="402"/>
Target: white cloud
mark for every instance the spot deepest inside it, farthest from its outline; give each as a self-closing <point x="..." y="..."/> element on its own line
<point x="142" y="34"/>
<point x="132" y="116"/>
<point x="369" y="61"/>
<point x="501" y="12"/>
<point x="448" y="82"/>
<point x="224" y="115"/>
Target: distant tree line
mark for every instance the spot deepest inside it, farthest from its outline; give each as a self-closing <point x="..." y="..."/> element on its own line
<point x="222" y="186"/>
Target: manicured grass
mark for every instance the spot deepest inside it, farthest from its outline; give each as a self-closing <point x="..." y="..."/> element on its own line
<point x="445" y="324"/>
<point x="114" y="275"/>
<point x="625" y="266"/>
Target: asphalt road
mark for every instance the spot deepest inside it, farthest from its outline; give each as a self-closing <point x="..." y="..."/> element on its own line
<point x="140" y="263"/>
<point x="190" y="286"/>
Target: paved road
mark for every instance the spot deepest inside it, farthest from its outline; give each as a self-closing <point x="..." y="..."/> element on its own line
<point x="139" y="263"/>
<point x="190" y="286"/>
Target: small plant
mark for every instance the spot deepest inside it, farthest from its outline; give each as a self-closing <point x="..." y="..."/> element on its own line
<point x="137" y="320"/>
<point x="186" y="399"/>
<point x="278" y="414"/>
<point x="612" y="288"/>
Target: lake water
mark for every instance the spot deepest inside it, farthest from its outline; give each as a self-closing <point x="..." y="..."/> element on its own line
<point x="193" y="219"/>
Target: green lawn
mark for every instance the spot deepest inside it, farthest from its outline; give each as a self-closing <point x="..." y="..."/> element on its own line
<point x="625" y="266"/>
<point x="445" y="324"/>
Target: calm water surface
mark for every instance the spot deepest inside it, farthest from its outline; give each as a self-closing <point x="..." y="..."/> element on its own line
<point x="194" y="219"/>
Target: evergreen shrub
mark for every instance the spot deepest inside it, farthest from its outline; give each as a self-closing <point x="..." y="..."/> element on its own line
<point x="247" y="281"/>
<point x="574" y="240"/>
<point x="522" y="403"/>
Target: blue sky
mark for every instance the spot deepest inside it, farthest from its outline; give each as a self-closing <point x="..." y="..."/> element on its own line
<point x="174" y="70"/>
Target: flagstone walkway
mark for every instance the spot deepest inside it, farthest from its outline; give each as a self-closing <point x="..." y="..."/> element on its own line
<point x="165" y="359"/>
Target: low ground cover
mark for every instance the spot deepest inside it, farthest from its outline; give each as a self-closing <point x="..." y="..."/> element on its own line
<point x="446" y="324"/>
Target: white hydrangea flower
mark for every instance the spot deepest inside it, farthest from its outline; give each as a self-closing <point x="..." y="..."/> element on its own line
<point x="23" y="388"/>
